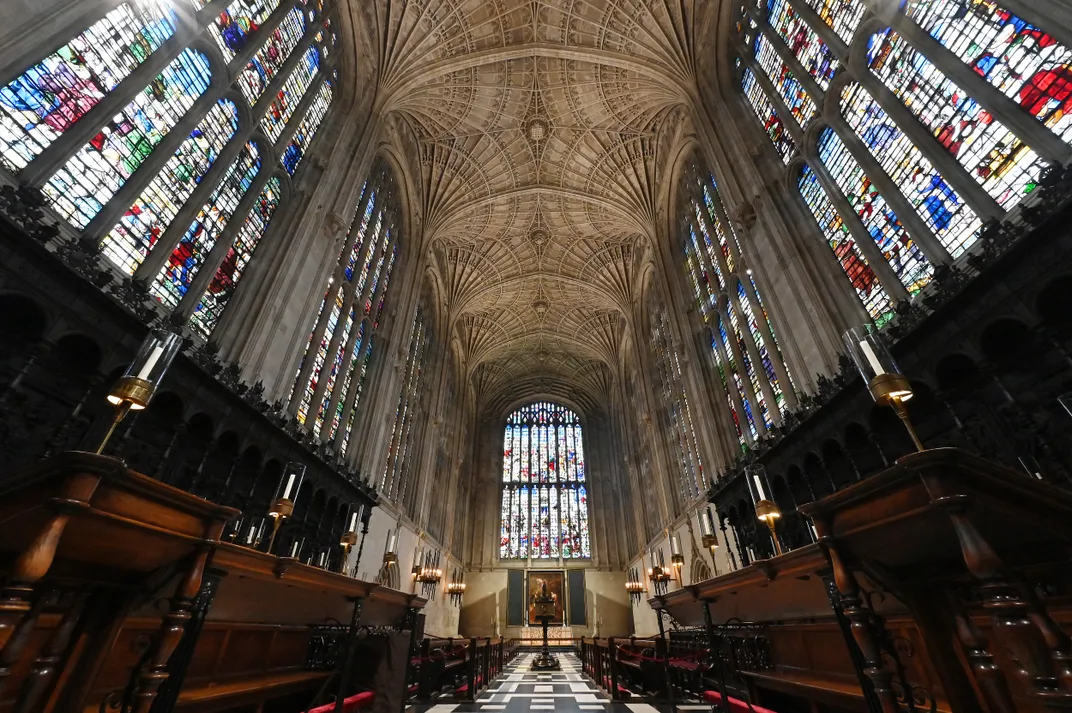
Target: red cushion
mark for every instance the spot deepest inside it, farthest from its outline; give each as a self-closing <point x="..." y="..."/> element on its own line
<point x="353" y="703"/>
<point x="623" y="691"/>
<point x="463" y="690"/>
<point x="736" y="704"/>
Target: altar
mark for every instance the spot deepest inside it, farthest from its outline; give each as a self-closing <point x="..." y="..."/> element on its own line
<point x="556" y="635"/>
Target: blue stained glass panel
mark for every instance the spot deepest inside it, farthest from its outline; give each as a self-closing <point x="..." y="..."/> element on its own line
<point x="89" y="179"/>
<point x="994" y="156"/>
<point x="150" y="215"/>
<point x="303" y="135"/>
<point x="190" y="254"/>
<point x="937" y="203"/>
<point x="51" y="96"/>
<point x="233" y="27"/>
<point x="900" y="251"/>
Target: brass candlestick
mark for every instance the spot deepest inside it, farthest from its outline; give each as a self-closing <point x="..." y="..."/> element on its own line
<point x="129" y="393"/>
<point x="888" y="386"/>
<point x="135" y="388"/>
<point x="768" y="512"/>
<point x="281" y="509"/>
<point x="893" y="390"/>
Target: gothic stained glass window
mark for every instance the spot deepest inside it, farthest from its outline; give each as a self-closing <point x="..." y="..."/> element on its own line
<point x="362" y="273"/>
<point x="761" y="344"/>
<point x="288" y="97"/>
<point x="995" y="157"/>
<point x="269" y="59"/>
<point x="796" y="99"/>
<point x="395" y="481"/>
<point x="842" y="15"/>
<point x="234" y="26"/>
<point x="942" y="209"/>
<point x="303" y="135"/>
<point x="900" y="251"/>
<point x="734" y="375"/>
<point x="678" y="412"/>
<point x="189" y="255"/>
<point x="223" y="283"/>
<point x="1021" y="60"/>
<point x="750" y="369"/>
<point x="49" y="97"/>
<point x="95" y="172"/>
<point x="772" y="123"/>
<point x="544" y="500"/>
<point x="842" y="243"/>
<point x="151" y="214"/>
<point x="814" y="54"/>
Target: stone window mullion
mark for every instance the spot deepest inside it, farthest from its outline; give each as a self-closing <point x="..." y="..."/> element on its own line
<point x="864" y="241"/>
<point x="56" y="154"/>
<point x="1032" y="132"/>
<point x="919" y="231"/>
<point x="223" y="244"/>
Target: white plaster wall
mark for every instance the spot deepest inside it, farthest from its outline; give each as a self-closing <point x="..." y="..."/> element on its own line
<point x="441" y="617"/>
<point x="687" y="529"/>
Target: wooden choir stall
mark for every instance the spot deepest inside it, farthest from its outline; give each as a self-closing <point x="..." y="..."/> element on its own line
<point x="118" y="595"/>
<point x="938" y="584"/>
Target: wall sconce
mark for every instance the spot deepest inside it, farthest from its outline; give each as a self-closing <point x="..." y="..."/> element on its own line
<point x="658" y="573"/>
<point x="351" y="523"/>
<point x="766" y="510"/>
<point x="428" y="573"/>
<point x="456" y="587"/>
<point x="880" y="372"/>
<point x="635" y="586"/>
<point x="282" y="505"/>
<point x="135" y="388"/>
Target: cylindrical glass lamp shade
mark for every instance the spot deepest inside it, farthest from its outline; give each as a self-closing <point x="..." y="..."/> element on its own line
<point x="707" y="523"/>
<point x="291" y="482"/>
<point x="876" y="365"/>
<point x="675" y="546"/>
<point x="758" y="485"/>
<point x="137" y="384"/>
<point x="353" y="519"/>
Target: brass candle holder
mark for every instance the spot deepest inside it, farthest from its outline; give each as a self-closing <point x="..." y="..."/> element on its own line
<point x="286" y="493"/>
<point x="135" y="388"/>
<point x="767" y="510"/>
<point x="349" y="535"/>
<point x="888" y="386"/>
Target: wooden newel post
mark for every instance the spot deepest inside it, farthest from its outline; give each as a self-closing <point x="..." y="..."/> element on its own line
<point x="862" y="627"/>
<point x="170" y="633"/>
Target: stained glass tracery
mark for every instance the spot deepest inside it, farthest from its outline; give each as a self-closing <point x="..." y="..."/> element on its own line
<point x="257" y="39"/>
<point x="53" y="94"/>
<point x="340" y="344"/>
<point x="1022" y="61"/>
<point x="544" y="498"/>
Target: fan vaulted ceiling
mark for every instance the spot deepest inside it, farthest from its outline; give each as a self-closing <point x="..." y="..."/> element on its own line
<point x="539" y="132"/>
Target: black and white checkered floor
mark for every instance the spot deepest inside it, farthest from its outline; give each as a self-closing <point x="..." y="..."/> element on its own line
<point x="520" y="690"/>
